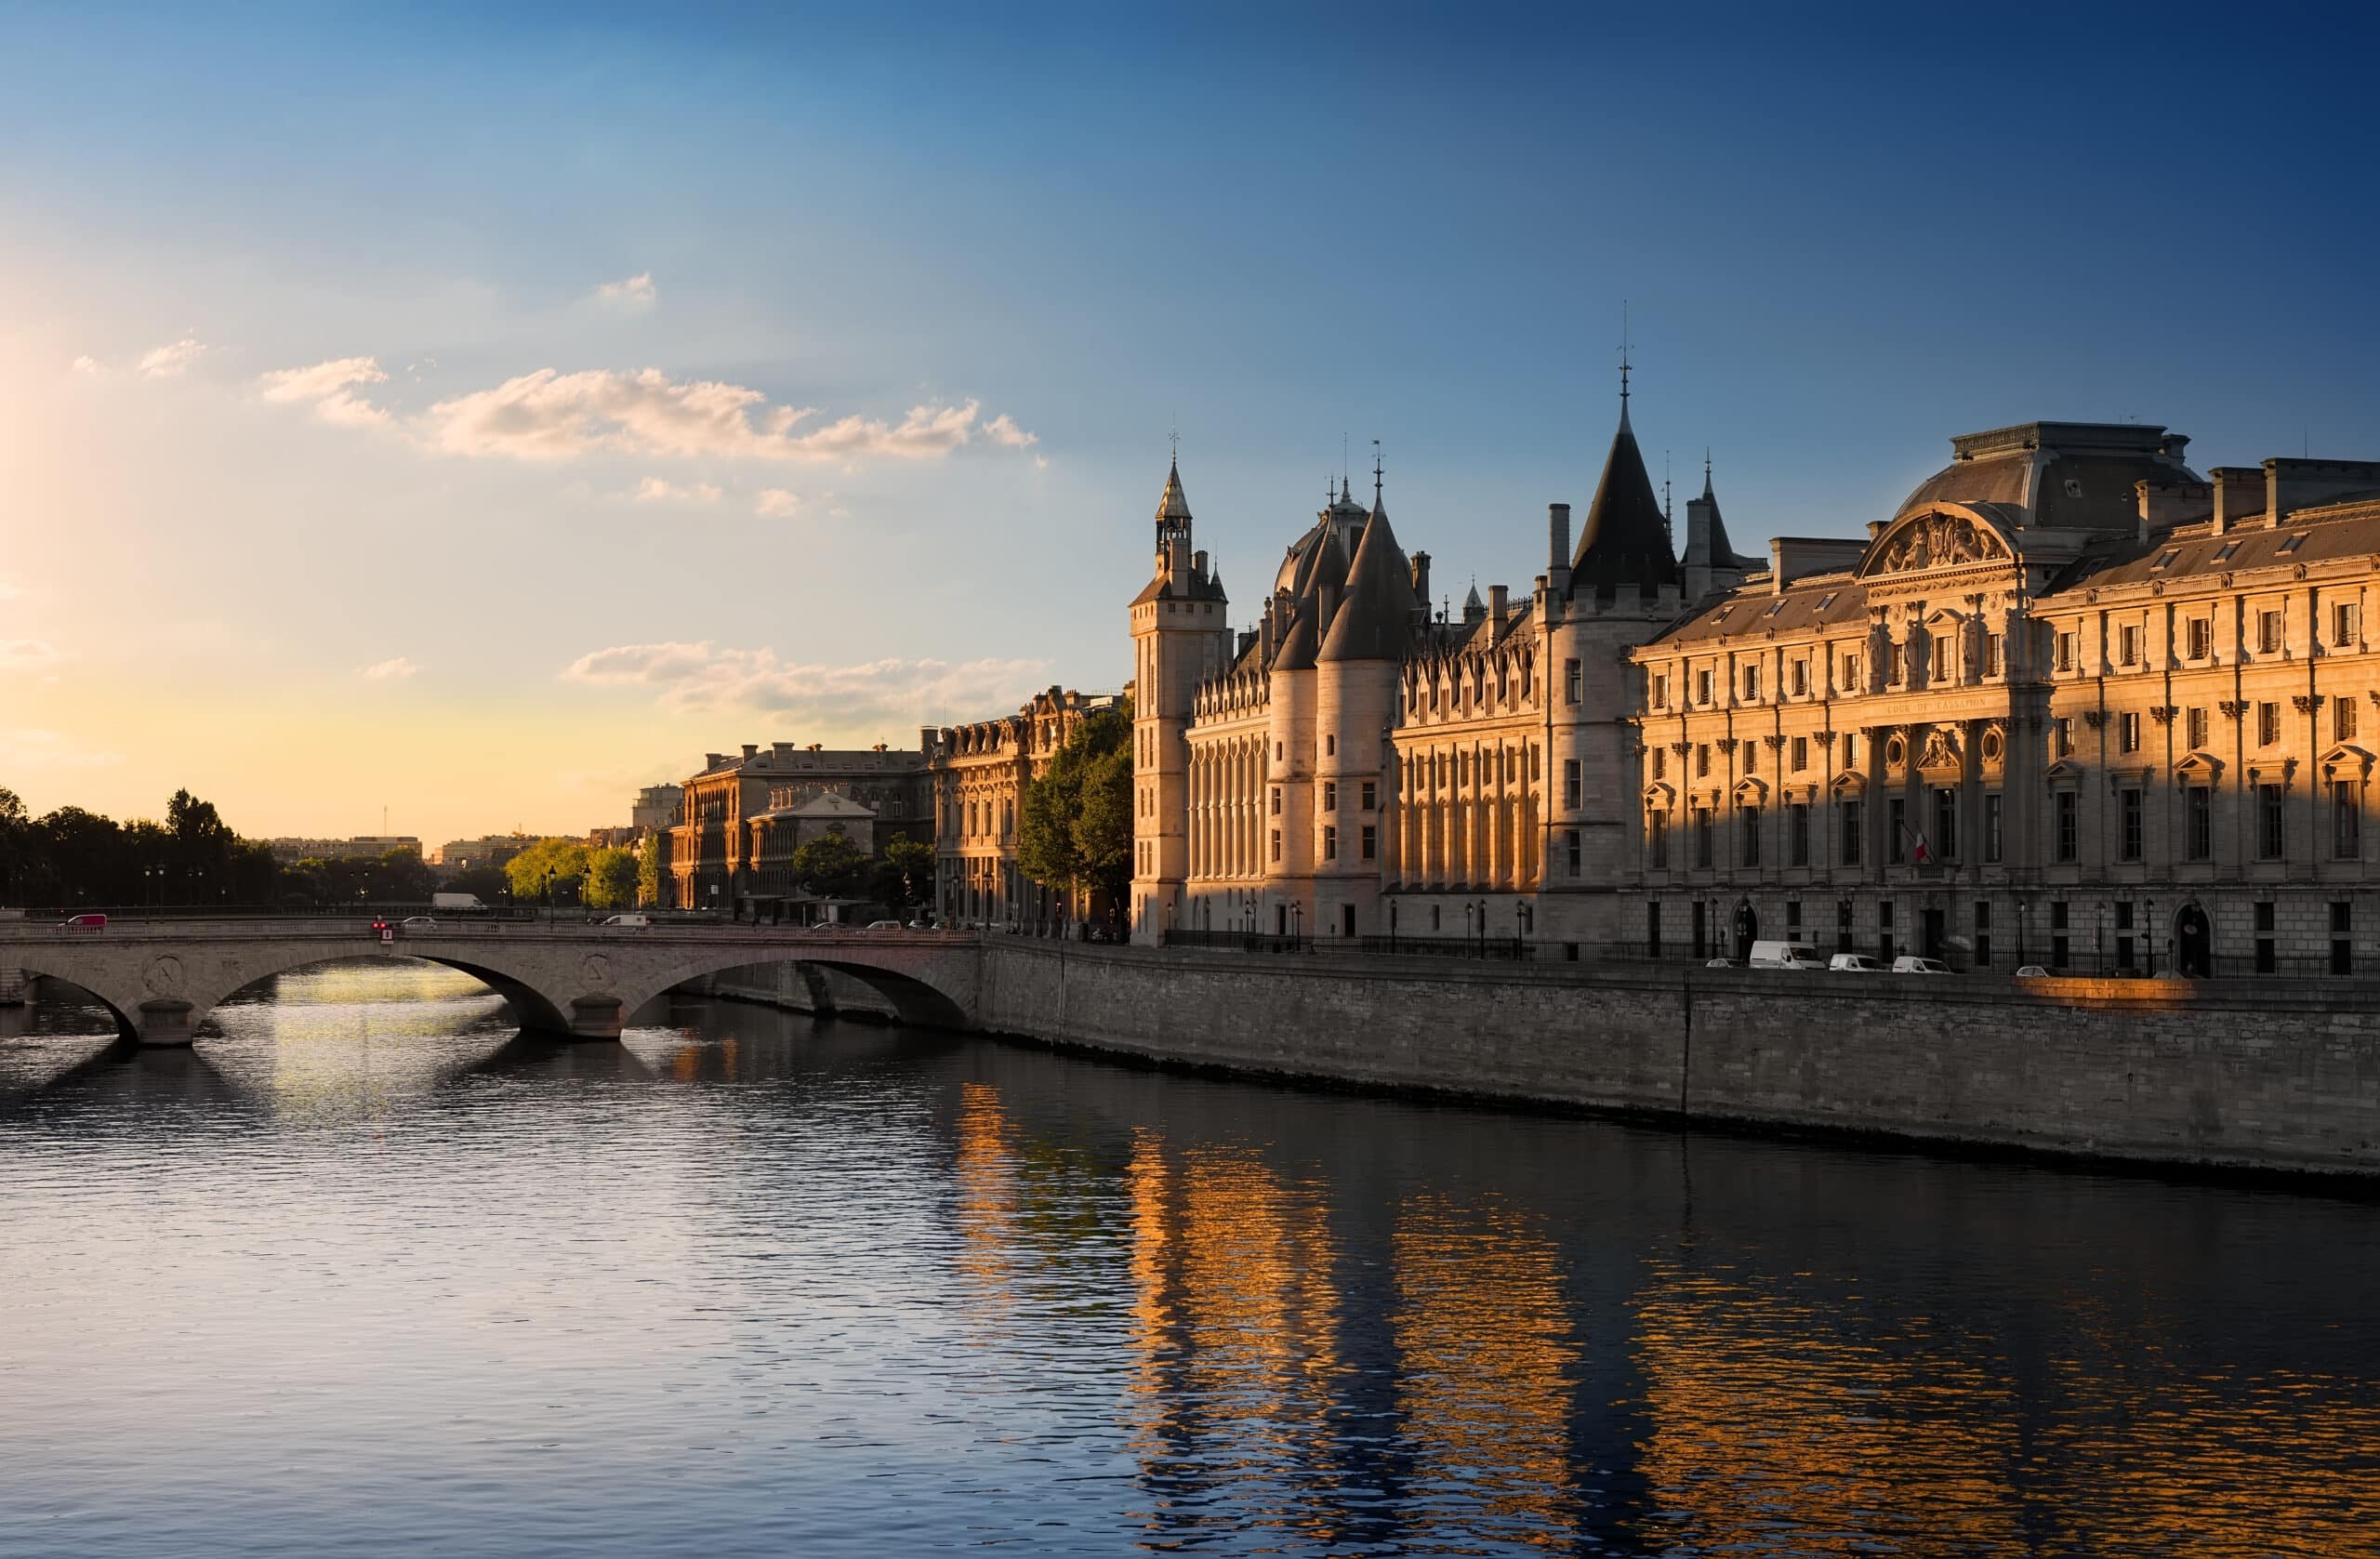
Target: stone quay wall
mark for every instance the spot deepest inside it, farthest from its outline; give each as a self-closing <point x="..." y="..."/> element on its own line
<point x="2239" y="1073"/>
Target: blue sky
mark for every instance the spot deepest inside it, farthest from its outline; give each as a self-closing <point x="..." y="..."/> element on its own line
<point x="413" y="433"/>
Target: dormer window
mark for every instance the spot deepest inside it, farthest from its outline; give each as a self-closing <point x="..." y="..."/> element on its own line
<point x="2166" y="559"/>
<point x="2223" y="553"/>
<point x="2293" y="544"/>
<point x="1827" y="599"/>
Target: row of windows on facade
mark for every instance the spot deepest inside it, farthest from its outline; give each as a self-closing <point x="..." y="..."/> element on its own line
<point x="2198" y="644"/>
<point x="2197" y="727"/>
<point x="979" y="817"/>
<point x="1911" y="847"/>
<point x="1367" y="846"/>
<point x="2128" y="921"/>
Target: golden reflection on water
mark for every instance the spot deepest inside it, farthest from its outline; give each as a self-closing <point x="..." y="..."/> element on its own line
<point x="1234" y="1339"/>
<point x="1486" y="1370"/>
<point x="1813" y="1422"/>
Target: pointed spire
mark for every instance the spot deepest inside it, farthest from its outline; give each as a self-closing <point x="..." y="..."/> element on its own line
<point x="1376" y="476"/>
<point x="1706" y="474"/>
<point x="1623" y="365"/>
<point x="1626" y="538"/>
<point x="1375" y="621"/>
<point x="1175" y="505"/>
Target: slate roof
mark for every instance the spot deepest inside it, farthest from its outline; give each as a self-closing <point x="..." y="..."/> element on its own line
<point x="1626" y="539"/>
<point x="1376" y="620"/>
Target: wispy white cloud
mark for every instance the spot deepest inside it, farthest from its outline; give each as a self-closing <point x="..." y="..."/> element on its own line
<point x="89" y="367"/>
<point x="1002" y="429"/>
<point x="552" y="416"/>
<point x="635" y="292"/>
<point x="396" y="667"/>
<point x="172" y="359"/>
<point x="25" y="747"/>
<point x="777" y="502"/>
<point x="28" y="655"/>
<point x="705" y="679"/>
<point x="330" y="389"/>
<point x="659" y="490"/>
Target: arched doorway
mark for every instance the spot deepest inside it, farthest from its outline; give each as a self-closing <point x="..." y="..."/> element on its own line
<point x="2194" y="942"/>
<point x="1747" y="927"/>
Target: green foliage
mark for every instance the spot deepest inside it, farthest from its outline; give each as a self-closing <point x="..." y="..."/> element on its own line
<point x="648" y="869"/>
<point x="398" y="877"/>
<point x="1074" y="829"/>
<point x="903" y="875"/>
<point x="829" y="866"/>
<point x="555" y="865"/>
<point x="488" y="884"/>
<point x="611" y="879"/>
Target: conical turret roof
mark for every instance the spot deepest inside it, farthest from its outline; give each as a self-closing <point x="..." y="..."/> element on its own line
<point x="1375" y="622"/>
<point x="1626" y="540"/>
<point x="1297" y="643"/>
<point x="1711" y="547"/>
<point x="1175" y="504"/>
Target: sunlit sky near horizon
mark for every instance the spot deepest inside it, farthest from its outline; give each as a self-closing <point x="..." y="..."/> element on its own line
<point x="482" y="418"/>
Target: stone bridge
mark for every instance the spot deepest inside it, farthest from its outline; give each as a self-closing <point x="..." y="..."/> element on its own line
<point x="161" y="978"/>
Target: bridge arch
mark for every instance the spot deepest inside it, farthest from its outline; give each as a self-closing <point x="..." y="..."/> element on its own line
<point x="161" y="982"/>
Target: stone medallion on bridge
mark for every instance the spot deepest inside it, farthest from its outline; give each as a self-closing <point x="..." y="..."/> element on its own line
<point x="597" y="968"/>
<point x="163" y="975"/>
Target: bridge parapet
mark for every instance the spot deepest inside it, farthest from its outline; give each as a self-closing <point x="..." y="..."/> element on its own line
<point x="162" y="978"/>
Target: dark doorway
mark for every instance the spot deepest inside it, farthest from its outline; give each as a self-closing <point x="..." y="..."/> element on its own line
<point x="1747" y="927"/>
<point x="1346" y="919"/>
<point x="1937" y="932"/>
<point x="1281" y="919"/>
<point x="1702" y="929"/>
<point x="2194" y="942"/>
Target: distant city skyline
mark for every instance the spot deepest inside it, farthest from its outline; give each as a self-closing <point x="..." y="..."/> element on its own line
<point x="435" y="413"/>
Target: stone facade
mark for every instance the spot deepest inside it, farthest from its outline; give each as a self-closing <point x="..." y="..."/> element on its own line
<point x="980" y="772"/>
<point x="743" y="817"/>
<point x="2070" y="704"/>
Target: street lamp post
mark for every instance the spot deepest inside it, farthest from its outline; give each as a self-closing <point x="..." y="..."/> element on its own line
<point x="2148" y="934"/>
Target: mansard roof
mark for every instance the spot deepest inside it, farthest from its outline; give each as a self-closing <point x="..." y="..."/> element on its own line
<point x="1376" y="620"/>
<point x="1626" y="540"/>
<point x="2071" y="474"/>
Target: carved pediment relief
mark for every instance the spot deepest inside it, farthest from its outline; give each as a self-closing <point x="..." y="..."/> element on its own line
<point x="2064" y="769"/>
<point x="1941" y="750"/>
<point x="2345" y="761"/>
<point x="1936" y="541"/>
<point x="1848" y="783"/>
<point x="1751" y="792"/>
<point x="2202" y="766"/>
<point x="1659" y="798"/>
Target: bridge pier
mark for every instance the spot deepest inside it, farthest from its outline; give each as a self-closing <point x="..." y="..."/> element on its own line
<point x="597" y="1017"/>
<point x="166" y="1022"/>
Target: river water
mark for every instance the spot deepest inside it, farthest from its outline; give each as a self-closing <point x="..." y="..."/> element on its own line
<point x="366" y="1272"/>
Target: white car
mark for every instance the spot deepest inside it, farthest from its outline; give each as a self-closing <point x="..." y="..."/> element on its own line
<point x="1718" y="963"/>
<point x="419" y="923"/>
<point x="886" y="926"/>
<point x="1786" y="955"/>
<point x="1906" y="964"/>
<point x="2033" y="972"/>
<point x="1854" y="963"/>
<point x="628" y="920"/>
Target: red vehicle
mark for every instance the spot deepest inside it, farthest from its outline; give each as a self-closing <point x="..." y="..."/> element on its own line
<point x="86" y="924"/>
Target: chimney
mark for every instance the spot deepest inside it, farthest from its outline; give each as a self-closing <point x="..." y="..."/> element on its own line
<point x="1421" y="581"/>
<point x="2167" y="504"/>
<point x="1496" y="597"/>
<point x="712" y="760"/>
<point x="750" y="748"/>
<point x="1199" y="564"/>
<point x="2239" y="493"/>
<point x="778" y="749"/>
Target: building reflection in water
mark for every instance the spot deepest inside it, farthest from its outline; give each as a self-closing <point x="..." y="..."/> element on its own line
<point x="1235" y="1344"/>
<point x="1487" y="1372"/>
<point x="1785" y="1415"/>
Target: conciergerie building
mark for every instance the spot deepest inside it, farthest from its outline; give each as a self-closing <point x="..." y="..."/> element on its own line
<point x="2072" y="704"/>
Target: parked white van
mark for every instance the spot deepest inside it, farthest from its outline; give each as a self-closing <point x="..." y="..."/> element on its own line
<point x="1786" y="955"/>
<point x="1906" y="964"/>
<point x="628" y="920"/>
<point x="1855" y="963"/>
